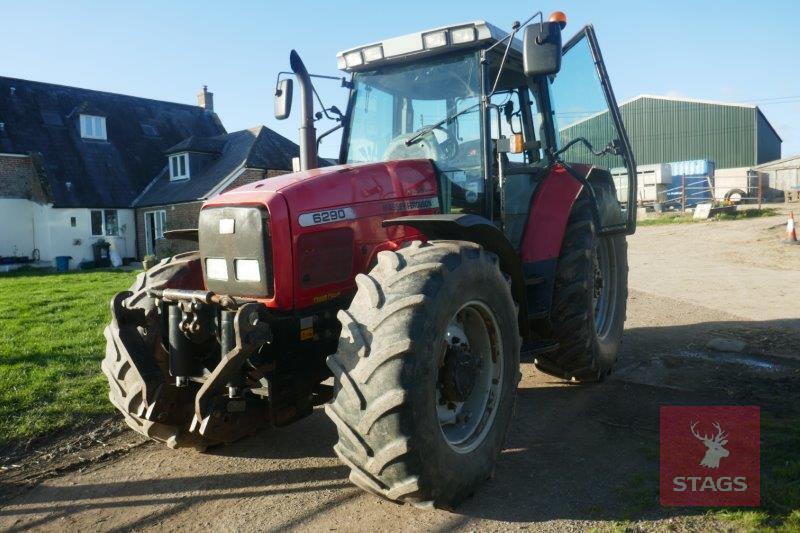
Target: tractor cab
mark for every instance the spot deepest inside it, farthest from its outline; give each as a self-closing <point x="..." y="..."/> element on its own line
<point x="493" y="113"/>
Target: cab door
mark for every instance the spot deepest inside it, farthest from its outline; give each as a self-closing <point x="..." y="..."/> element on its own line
<point x="585" y="109"/>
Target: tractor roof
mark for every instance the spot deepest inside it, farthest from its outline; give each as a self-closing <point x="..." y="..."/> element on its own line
<point x="476" y="34"/>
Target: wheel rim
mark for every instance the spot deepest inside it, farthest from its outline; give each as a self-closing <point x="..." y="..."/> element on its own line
<point x="470" y="377"/>
<point x="605" y="292"/>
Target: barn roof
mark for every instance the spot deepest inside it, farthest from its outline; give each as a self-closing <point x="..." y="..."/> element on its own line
<point x="701" y="101"/>
<point x="682" y="99"/>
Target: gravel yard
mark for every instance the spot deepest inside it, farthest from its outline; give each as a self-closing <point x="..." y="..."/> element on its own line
<point x="576" y="457"/>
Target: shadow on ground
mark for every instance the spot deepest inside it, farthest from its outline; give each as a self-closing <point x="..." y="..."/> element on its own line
<point x="573" y="452"/>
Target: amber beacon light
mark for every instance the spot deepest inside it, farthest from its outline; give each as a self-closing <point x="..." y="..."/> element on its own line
<point x="558" y="16"/>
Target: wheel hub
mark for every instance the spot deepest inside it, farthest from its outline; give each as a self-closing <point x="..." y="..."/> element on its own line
<point x="470" y="376"/>
<point x="604" y="295"/>
<point x="598" y="279"/>
<point x="459" y="372"/>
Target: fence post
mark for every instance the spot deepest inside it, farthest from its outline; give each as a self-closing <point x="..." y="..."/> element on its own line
<point x="760" y="189"/>
<point x="683" y="193"/>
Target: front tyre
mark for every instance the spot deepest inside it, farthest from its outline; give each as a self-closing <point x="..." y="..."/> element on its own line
<point x="165" y="416"/>
<point x="426" y="373"/>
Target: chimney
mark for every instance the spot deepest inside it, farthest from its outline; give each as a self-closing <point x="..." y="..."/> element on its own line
<point x="206" y="99"/>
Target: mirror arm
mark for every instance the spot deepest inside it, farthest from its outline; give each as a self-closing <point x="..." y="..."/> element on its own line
<point x="613" y="147"/>
<point x="516" y="26"/>
<point x="510" y="38"/>
<point x="278" y="80"/>
<point x="503" y="61"/>
<point x="322" y="106"/>
<point x="336" y="127"/>
<point x="344" y="81"/>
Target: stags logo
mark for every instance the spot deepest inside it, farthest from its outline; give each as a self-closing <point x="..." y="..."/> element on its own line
<point x="710" y="456"/>
<point x="715" y="444"/>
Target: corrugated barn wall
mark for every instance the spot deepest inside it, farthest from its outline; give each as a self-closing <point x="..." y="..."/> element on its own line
<point x="769" y="144"/>
<point x="663" y="130"/>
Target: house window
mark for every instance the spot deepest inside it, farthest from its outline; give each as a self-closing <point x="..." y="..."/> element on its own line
<point x="155" y="223"/>
<point x="179" y="167"/>
<point x="73" y="221"/>
<point x="93" y="127"/>
<point x="105" y="222"/>
<point x="97" y="222"/>
<point x="111" y="222"/>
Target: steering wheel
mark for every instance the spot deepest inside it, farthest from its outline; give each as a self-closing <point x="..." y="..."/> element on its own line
<point x="449" y="146"/>
<point x="425" y="148"/>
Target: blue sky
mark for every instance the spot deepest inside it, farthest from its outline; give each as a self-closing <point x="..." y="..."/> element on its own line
<point x="731" y="51"/>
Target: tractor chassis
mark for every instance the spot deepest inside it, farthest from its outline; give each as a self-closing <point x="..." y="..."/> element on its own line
<point x="225" y="408"/>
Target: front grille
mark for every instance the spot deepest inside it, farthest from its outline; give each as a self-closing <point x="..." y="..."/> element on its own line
<point x="232" y="233"/>
<point x="325" y="257"/>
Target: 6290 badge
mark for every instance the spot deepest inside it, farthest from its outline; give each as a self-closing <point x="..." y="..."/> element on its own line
<point x="326" y="216"/>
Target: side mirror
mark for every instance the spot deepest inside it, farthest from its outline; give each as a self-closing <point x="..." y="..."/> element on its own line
<point x="541" y="46"/>
<point x="283" y="98"/>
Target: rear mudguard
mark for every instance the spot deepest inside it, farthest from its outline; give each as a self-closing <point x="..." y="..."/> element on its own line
<point x="539" y="249"/>
<point x="550" y="210"/>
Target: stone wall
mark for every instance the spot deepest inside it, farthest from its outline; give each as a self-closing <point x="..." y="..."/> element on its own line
<point x="18" y="178"/>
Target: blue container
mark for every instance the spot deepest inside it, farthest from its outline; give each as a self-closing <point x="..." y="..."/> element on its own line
<point x="697" y="174"/>
<point x="62" y="263"/>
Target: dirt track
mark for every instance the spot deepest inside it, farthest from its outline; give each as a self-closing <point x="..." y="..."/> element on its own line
<point x="576" y="457"/>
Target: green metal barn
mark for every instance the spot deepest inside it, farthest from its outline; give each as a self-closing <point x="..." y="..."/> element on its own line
<point x="665" y="129"/>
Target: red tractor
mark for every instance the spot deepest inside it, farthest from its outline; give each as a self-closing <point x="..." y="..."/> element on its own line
<point x="472" y="221"/>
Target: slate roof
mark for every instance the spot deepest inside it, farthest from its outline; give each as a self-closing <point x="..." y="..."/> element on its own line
<point x="258" y="147"/>
<point x="44" y="117"/>
<point x="197" y="144"/>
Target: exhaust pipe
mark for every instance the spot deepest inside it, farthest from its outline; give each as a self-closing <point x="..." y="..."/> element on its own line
<point x="308" y="133"/>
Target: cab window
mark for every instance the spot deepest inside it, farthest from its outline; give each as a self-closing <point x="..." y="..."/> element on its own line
<point x="428" y="110"/>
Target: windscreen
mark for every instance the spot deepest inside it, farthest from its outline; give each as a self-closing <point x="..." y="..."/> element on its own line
<point x="394" y="102"/>
<point x="424" y="110"/>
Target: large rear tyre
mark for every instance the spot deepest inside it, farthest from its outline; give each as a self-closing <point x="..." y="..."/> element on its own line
<point x="589" y="300"/>
<point x="426" y="373"/>
<point x="127" y="342"/>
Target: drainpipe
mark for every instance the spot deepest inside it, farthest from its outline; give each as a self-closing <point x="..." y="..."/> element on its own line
<point x="308" y="134"/>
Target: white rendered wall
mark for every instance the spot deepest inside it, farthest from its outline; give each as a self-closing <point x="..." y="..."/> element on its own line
<point x="27" y="225"/>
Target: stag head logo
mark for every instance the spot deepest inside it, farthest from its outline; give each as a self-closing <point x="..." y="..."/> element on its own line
<point x="715" y="446"/>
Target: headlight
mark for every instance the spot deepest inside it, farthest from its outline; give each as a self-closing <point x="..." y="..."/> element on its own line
<point x="353" y="59"/>
<point x="216" y="268"/>
<point x="462" y="35"/>
<point x="435" y="39"/>
<point x="373" y="53"/>
<point x="247" y="270"/>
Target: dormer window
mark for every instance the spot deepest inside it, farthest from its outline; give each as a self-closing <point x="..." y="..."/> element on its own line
<point x="179" y="167"/>
<point x="93" y="127"/>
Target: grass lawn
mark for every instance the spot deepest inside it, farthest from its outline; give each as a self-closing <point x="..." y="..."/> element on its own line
<point x="687" y="218"/>
<point x="51" y="345"/>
